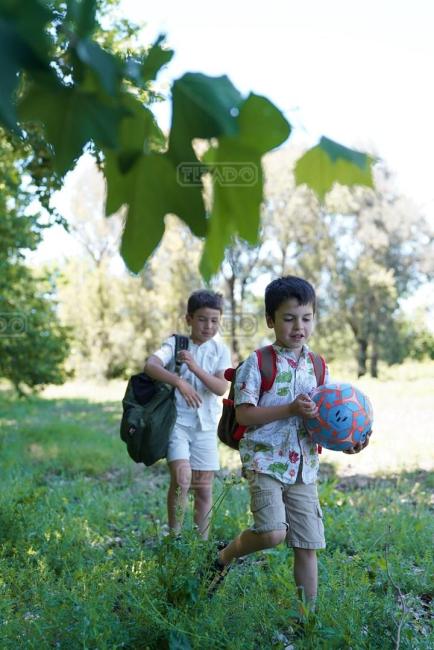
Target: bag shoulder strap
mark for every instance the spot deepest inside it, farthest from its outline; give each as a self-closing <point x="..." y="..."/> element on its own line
<point x="319" y="367"/>
<point x="181" y="343"/>
<point x="267" y="362"/>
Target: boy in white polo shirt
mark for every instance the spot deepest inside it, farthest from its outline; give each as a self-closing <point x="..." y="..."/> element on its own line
<point x="192" y="453"/>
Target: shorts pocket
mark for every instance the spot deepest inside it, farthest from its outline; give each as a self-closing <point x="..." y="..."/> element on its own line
<point x="320" y="522"/>
<point x="260" y="500"/>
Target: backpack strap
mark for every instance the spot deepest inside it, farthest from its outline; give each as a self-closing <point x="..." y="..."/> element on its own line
<point x="319" y="367"/>
<point x="267" y="362"/>
<point x="181" y="343"/>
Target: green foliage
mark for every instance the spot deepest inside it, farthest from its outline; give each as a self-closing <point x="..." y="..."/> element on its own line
<point x="18" y="51"/>
<point x="243" y="196"/>
<point x="85" y="563"/>
<point x="81" y="13"/>
<point x="413" y="338"/>
<point x="364" y="250"/>
<point x="422" y="345"/>
<point x="329" y="163"/>
<point x="33" y="344"/>
<point x="60" y="80"/>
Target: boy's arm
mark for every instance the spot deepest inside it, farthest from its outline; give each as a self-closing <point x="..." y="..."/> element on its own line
<point x="217" y="384"/>
<point x="251" y="415"/>
<point x="155" y="369"/>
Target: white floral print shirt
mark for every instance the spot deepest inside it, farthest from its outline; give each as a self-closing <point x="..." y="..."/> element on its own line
<point x="277" y="448"/>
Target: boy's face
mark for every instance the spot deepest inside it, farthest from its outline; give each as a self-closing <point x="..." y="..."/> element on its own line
<point x="293" y="324"/>
<point x="204" y="324"/>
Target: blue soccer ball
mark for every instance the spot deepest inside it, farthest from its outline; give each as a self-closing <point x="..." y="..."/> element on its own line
<point x="345" y="416"/>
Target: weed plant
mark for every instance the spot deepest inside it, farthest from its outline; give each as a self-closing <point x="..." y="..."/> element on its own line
<point x="85" y="561"/>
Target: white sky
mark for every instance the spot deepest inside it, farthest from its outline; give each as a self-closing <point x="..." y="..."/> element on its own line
<point x="360" y="73"/>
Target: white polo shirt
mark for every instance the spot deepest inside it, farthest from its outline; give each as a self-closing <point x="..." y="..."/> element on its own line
<point x="213" y="356"/>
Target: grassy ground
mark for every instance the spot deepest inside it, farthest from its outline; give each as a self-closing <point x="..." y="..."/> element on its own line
<point x="84" y="562"/>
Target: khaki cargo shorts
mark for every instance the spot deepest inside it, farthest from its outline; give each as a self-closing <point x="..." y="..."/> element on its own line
<point x="279" y="506"/>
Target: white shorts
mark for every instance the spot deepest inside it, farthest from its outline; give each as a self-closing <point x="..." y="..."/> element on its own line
<point x="188" y="442"/>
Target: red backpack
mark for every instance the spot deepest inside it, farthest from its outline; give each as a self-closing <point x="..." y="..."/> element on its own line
<point x="228" y="430"/>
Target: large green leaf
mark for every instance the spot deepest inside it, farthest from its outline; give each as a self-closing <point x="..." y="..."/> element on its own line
<point x="138" y="130"/>
<point x="23" y="45"/>
<point x="238" y="178"/>
<point x="149" y="185"/>
<point x="203" y="107"/>
<point x="105" y="65"/>
<point x="189" y="206"/>
<point x="237" y="188"/>
<point x="329" y="163"/>
<point x="117" y="188"/>
<point x="138" y="134"/>
<point x="152" y="192"/>
<point x="82" y="15"/>
<point x="144" y="69"/>
<point x="155" y="59"/>
<point x="28" y="19"/>
<point x="12" y="51"/>
<point x="71" y="119"/>
<point x="262" y="126"/>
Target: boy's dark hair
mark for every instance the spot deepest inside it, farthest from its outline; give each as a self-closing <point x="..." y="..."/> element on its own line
<point x="285" y="288"/>
<point x="204" y="298"/>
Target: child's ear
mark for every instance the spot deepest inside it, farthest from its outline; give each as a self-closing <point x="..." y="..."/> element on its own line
<point x="188" y="319"/>
<point x="270" y="321"/>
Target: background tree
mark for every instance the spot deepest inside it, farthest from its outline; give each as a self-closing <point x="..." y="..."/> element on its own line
<point x="383" y="252"/>
<point x="295" y="225"/>
<point x="241" y="266"/>
<point x="33" y="345"/>
<point x="364" y="249"/>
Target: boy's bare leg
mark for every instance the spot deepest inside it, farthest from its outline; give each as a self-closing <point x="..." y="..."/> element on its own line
<point x="202" y="486"/>
<point x="249" y="542"/>
<point x="180" y="480"/>
<point x="306" y="575"/>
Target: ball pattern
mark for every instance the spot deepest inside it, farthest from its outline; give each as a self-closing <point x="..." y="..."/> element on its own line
<point x="345" y="416"/>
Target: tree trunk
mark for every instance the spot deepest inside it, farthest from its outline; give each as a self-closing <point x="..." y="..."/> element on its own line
<point x="362" y="357"/>
<point x="374" y="356"/>
<point x="235" y="346"/>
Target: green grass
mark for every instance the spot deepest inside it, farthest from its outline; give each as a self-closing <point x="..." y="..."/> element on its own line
<point x="84" y="562"/>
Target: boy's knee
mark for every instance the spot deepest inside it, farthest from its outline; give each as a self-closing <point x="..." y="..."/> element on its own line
<point x="202" y="493"/>
<point x="273" y="537"/>
<point x="181" y="478"/>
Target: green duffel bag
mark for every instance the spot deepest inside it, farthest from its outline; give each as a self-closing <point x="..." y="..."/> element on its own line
<point x="149" y="414"/>
<point x="145" y="428"/>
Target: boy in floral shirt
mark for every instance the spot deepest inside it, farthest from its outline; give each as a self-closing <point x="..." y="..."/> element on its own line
<point x="279" y="458"/>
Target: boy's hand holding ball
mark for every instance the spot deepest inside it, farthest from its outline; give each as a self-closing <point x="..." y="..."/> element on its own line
<point x="359" y="446"/>
<point x="304" y="407"/>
